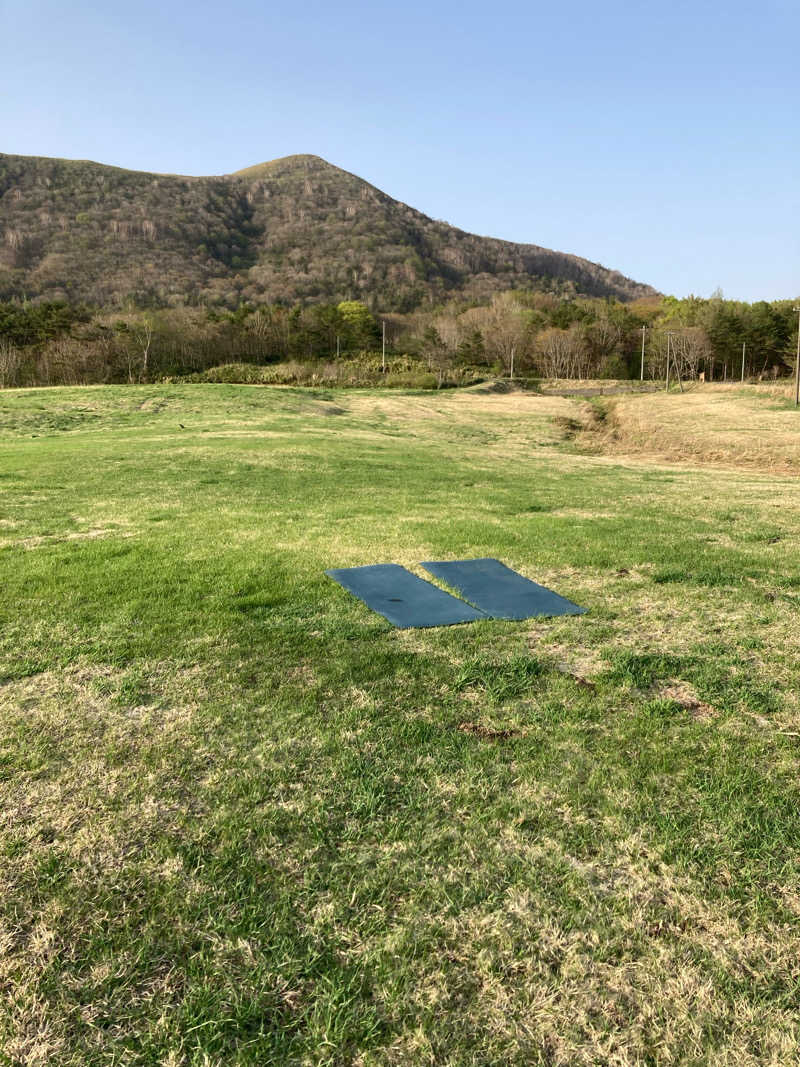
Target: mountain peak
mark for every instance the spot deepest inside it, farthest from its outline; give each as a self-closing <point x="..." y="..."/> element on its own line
<point x="303" y="159"/>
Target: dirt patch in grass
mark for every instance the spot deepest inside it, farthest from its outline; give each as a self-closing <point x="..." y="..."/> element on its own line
<point x="683" y="694"/>
<point x="484" y="732"/>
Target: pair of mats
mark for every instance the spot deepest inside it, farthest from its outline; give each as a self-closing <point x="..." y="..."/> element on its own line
<point x="493" y="590"/>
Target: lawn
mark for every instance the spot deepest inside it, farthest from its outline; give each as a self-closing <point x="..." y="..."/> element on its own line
<point x="245" y="821"/>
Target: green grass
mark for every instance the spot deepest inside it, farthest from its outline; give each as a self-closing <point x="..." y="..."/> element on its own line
<point x="239" y="823"/>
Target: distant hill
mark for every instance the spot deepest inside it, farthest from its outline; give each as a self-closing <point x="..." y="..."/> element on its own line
<point x="295" y="229"/>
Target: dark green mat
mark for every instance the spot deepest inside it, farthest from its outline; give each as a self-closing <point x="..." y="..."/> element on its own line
<point x="401" y="597"/>
<point x="500" y="592"/>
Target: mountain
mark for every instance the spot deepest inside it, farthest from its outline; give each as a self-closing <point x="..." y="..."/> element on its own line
<point x="295" y="229"/>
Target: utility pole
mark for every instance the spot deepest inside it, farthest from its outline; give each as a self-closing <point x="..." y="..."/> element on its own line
<point x="383" y="354"/>
<point x="669" y="335"/>
<point x="744" y="349"/>
<point x="797" y="364"/>
<point x="641" y="374"/>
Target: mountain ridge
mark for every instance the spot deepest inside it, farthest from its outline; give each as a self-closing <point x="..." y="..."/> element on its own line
<point x="291" y="229"/>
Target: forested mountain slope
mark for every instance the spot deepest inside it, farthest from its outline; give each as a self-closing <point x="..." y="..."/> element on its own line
<point x="295" y="229"/>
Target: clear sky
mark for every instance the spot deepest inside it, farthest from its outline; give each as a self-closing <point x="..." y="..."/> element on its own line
<point x="658" y="139"/>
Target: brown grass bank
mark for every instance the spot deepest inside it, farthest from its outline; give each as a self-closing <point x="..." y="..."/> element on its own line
<point x="751" y="426"/>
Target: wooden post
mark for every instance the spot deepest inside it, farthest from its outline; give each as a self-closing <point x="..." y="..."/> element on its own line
<point x="641" y="374"/>
<point x="744" y="349"/>
<point x="668" y="337"/>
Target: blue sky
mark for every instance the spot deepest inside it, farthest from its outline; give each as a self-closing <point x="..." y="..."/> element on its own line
<point x="661" y="140"/>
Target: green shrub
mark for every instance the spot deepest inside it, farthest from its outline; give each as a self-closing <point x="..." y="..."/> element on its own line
<point x="420" y="380"/>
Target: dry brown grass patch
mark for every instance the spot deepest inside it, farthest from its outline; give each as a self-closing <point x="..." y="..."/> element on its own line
<point x="722" y="426"/>
<point x="644" y="966"/>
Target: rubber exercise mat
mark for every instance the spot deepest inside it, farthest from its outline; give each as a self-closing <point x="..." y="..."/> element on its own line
<point x="500" y="592"/>
<point x="401" y="597"/>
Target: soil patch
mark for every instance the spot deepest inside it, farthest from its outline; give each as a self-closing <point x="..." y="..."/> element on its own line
<point x="486" y="733"/>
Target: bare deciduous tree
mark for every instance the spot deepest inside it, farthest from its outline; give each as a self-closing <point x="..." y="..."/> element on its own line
<point x="603" y="340"/>
<point x="142" y="334"/>
<point x="437" y="354"/>
<point x="561" y="353"/>
<point x="10" y="361"/>
<point x="504" y="329"/>
<point x="689" y="349"/>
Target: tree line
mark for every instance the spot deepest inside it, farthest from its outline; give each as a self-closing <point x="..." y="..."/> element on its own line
<point x="519" y="333"/>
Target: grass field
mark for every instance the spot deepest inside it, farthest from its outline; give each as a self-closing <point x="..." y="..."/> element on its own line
<point x="245" y="821"/>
